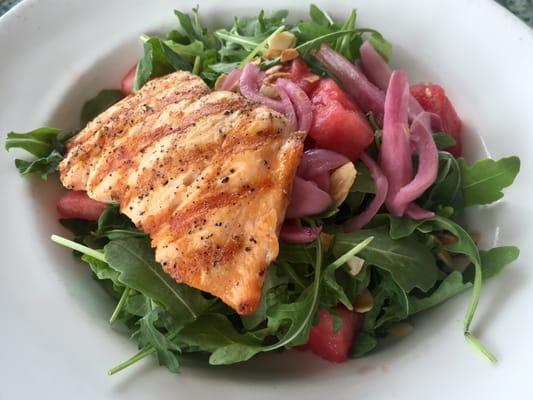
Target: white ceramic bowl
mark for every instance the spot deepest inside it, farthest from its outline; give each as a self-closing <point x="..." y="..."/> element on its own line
<point x="55" y="339"/>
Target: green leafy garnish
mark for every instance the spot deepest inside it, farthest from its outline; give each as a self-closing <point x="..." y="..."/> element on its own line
<point x="409" y="261"/>
<point x="484" y="180"/>
<point x="39" y="142"/>
<point x="101" y="102"/>
<point x="133" y="259"/>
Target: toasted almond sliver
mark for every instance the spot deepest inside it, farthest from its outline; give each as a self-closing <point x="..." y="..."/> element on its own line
<point x="220" y="81"/>
<point x="273" y="70"/>
<point x="269" y="91"/>
<point x="281" y="40"/>
<point x="400" y="329"/>
<point x="364" y="302"/>
<point x="272" y="53"/>
<point x="288" y="55"/>
<point x="325" y="240"/>
<point x="341" y="180"/>
<point x="270" y="79"/>
<point x="312" y="78"/>
<point x="355" y="265"/>
<point x="256" y="61"/>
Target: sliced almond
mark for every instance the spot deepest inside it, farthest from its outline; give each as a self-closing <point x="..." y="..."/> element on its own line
<point x="288" y="55"/>
<point x="273" y="70"/>
<point x="269" y="91"/>
<point x="311" y="78"/>
<point x="364" y="302"/>
<point x="325" y="240"/>
<point x="355" y="265"/>
<point x="341" y="180"/>
<point x="281" y="40"/>
<point x="270" y="79"/>
<point x="272" y="53"/>
<point x="220" y="81"/>
<point x="400" y="329"/>
<point x="256" y="61"/>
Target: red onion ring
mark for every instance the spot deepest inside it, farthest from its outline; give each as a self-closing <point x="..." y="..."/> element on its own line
<point x="299" y="234"/>
<point x="231" y="80"/>
<point x="249" y="84"/>
<point x="300" y="101"/>
<point x="428" y="165"/>
<point x="316" y="165"/>
<point x="365" y="94"/>
<point x="381" y="186"/>
<point x="395" y="152"/>
<point x="306" y="199"/>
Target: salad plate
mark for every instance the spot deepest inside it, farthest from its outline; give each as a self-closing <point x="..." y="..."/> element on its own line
<point x="56" y="334"/>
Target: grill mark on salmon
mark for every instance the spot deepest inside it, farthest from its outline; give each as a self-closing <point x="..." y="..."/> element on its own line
<point x="116" y="161"/>
<point x="114" y="121"/>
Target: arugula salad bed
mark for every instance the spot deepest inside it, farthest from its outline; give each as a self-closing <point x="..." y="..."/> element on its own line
<point x="355" y="288"/>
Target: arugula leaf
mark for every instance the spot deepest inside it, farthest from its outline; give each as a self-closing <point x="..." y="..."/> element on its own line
<point x="150" y="335"/>
<point x="333" y="292"/>
<point x="259" y="48"/>
<point x="311" y="44"/>
<point x="363" y="181"/>
<point x="493" y="261"/>
<point x="45" y="143"/>
<point x="447" y="189"/>
<point x="410" y="263"/>
<point x="214" y="333"/>
<point x="364" y="343"/>
<point x="296" y="253"/>
<point x="246" y="42"/>
<point x="193" y="28"/>
<point x="399" y="227"/>
<point x="134" y="259"/>
<point x="379" y="43"/>
<point x="158" y="59"/>
<point x="191" y="32"/>
<point x="114" y="225"/>
<point x="484" y="180"/>
<point x="319" y="16"/>
<point x="450" y="287"/>
<point x="101" y="102"/>
<point x="39" y="142"/>
<point x="336" y="320"/>
<point x="137" y="304"/>
<point x="43" y="166"/>
<point x="466" y="246"/>
<point x="390" y="302"/>
<point x="496" y="259"/>
<point x="349" y="45"/>
<point x="298" y="315"/>
<point x="443" y="140"/>
<point x="186" y="51"/>
<point x="102" y="270"/>
<point x="223" y="67"/>
<point x="272" y="280"/>
<point x="81" y="229"/>
<point x="396" y="304"/>
<point x="354" y="285"/>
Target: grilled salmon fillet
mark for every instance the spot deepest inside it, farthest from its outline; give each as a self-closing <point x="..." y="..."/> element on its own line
<point x="205" y="174"/>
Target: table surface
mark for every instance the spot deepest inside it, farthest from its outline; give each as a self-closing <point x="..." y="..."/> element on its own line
<point x="522" y="8"/>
